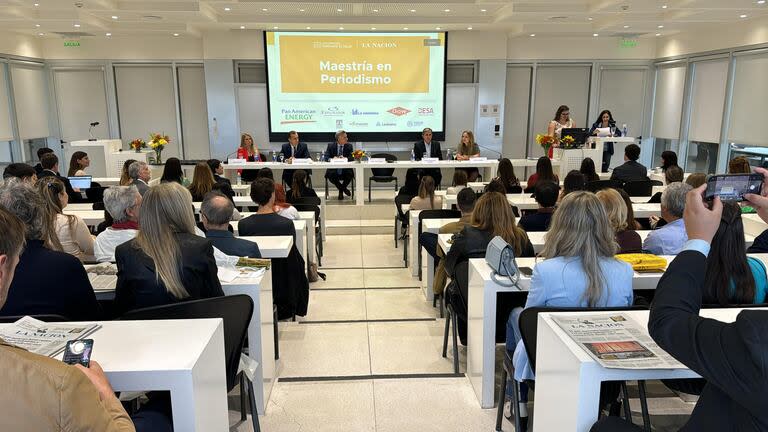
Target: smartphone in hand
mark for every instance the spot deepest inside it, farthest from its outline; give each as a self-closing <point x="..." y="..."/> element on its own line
<point x="733" y="187"/>
<point x="78" y="351"/>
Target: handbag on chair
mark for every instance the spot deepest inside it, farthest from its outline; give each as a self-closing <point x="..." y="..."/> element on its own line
<point x="500" y="256"/>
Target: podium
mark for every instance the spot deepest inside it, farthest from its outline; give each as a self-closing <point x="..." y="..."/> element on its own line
<point x="570" y="159"/>
<point x="99" y="152"/>
<point x="619" y="143"/>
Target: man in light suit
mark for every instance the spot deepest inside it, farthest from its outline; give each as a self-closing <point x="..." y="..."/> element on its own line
<point x="294" y="149"/>
<point x="429" y="148"/>
<point x="141" y="174"/>
<point x="341" y="178"/>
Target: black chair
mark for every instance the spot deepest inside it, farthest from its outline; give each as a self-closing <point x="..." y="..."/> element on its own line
<point x="47" y="318"/>
<point x="515" y="189"/>
<point x="308" y="204"/>
<point x="95" y="193"/>
<point x="236" y="312"/>
<point x="434" y="214"/>
<point x="351" y="186"/>
<point x="382" y="175"/>
<point x="642" y="188"/>
<point x="462" y="279"/>
<point x="528" y="324"/>
<point x="657" y="183"/>
<point x="595" y="186"/>
<point x="401" y="217"/>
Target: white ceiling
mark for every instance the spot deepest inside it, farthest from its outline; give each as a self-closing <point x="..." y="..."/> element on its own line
<point x="544" y="18"/>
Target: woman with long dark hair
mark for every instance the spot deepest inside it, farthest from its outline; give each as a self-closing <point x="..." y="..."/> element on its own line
<point x="507" y="176"/>
<point x="299" y="188"/>
<point x="605" y="121"/>
<point x="588" y="169"/>
<point x="561" y="121"/>
<point x="172" y="172"/>
<point x="78" y="163"/>
<point x="543" y="172"/>
<point x="668" y="160"/>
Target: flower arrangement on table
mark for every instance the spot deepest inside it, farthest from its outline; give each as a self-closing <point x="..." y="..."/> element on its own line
<point x="138" y="144"/>
<point x="358" y="155"/>
<point x="157" y="142"/>
<point x="547" y="142"/>
<point x="566" y="142"/>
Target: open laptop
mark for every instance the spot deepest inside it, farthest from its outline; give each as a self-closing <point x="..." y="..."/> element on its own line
<point x="579" y="135"/>
<point x="80" y="182"/>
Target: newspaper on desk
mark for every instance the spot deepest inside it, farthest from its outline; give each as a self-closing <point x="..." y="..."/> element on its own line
<point x="44" y="338"/>
<point x="616" y="341"/>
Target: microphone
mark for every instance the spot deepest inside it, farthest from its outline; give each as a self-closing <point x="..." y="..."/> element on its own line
<point x="90" y="131"/>
<point x="226" y="158"/>
<point x="94" y="124"/>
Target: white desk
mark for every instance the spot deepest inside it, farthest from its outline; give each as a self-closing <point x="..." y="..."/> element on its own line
<point x="568" y="380"/>
<point x="301" y="226"/>
<point x="107" y="181"/>
<point x="185" y="357"/>
<point x="537" y="239"/>
<point x="753" y="225"/>
<point x="272" y="246"/>
<point x="524" y="201"/>
<point x="90" y="217"/>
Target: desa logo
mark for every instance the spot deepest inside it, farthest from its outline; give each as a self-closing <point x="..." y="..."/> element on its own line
<point x="427" y="111"/>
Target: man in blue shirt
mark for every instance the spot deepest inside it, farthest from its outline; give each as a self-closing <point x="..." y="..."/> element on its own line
<point x="669" y="239"/>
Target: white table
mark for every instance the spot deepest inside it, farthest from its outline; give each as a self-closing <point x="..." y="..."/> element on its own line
<point x="106" y="181"/>
<point x="537" y="238"/>
<point x="302" y="236"/>
<point x="753" y="225"/>
<point x="185" y="357"/>
<point x="524" y="201"/>
<point x="272" y="246"/>
<point x="568" y="379"/>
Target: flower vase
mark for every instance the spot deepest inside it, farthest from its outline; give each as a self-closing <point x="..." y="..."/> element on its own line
<point x="358" y="160"/>
<point x="158" y="156"/>
<point x="546" y="151"/>
<point x="137" y="149"/>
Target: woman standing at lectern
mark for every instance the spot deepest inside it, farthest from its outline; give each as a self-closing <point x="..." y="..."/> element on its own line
<point x="561" y="121"/>
<point x="605" y="121"/>
<point x="468" y="148"/>
<point x="250" y="153"/>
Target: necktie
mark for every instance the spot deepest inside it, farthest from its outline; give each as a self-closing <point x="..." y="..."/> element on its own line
<point x="293" y="151"/>
<point x="340" y="152"/>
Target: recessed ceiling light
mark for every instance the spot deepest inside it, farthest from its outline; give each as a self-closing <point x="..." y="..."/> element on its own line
<point x="275" y="27"/>
<point x="589" y="19"/>
<point x="264" y="9"/>
<point x="77" y="25"/>
<point x="595" y="34"/>
<point x="437" y="28"/>
<point x="626" y="26"/>
<point x="760" y="1"/>
<point x="339" y="10"/>
<point x="41" y="34"/>
<point x="660" y="26"/>
<point x="309" y="28"/>
<point x="227" y="9"/>
<point x="413" y="10"/>
<point x="373" y="28"/>
<point x="37" y="4"/>
<point x="108" y="34"/>
<point x="533" y="34"/>
<point x="242" y="27"/>
<point x="175" y="34"/>
<point x="301" y="10"/>
<point x="405" y="28"/>
<point x="37" y="25"/>
<point x="483" y="10"/>
<point x="469" y="28"/>
<point x="664" y="6"/>
<point x="375" y="10"/>
<point x="743" y="16"/>
<point x="446" y="10"/>
<point x="658" y="34"/>
<point x="341" y="28"/>
<point x="115" y="17"/>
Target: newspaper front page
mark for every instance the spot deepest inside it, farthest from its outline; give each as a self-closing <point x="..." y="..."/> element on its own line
<point x="44" y="338"/>
<point x="615" y="340"/>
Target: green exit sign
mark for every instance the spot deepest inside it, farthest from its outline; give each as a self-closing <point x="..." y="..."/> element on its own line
<point x="71" y="44"/>
<point x="628" y="43"/>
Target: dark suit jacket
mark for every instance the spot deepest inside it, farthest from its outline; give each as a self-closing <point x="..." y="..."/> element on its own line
<point x="332" y="151"/>
<point x="74" y="197"/>
<point x="607" y="146"/>
<point x="271" y="224"/>
<point x="51" y="282"/>
<point x="630" y="171"/>
<point x="137" y="283"/>
<point x="38" y="169"/>
<point x="302" y="151"/>
<point x="226" y="242"/>
<point x="219" y="179"/>
<point x="538" y="221"/>
<point x="732" y="357"/>
<point x="760" y="245"/>
<point x="419" y="148"/>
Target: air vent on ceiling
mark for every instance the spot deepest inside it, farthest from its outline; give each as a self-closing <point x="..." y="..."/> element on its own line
<point x="558" y="18"/>
<point x="73" y="35"/>
<point x="152" y="18"/>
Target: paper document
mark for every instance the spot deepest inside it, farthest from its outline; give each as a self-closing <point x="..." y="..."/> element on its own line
<point x="44" y="338"/>
<point x="616" y="341"/>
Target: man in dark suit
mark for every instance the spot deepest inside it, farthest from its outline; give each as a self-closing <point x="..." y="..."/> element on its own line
<point x="50" y="164"/>
<point x="293" y="149"/>
<point x="341" y="178"/>
<point x="40" y="153"/>
<point x="218" y="171"/>
<point x="265" y="222"/>
<point x="631" y="170"/>
<point x="731" y="357"/>
<point x="215" y="214"/>
<point x="141" y="174"/>
<point x="429" y="148"/>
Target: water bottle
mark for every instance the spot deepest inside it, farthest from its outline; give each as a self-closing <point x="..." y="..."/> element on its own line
<point x="239" y="179"/>
<point x="624" y="129"/>
<point x="274" y="156"/>
<point x="413" y="155"/>
<point x="319" y="156"/>
<point x="450" y="154"/>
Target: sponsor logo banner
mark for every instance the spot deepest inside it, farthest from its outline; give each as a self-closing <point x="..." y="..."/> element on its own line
<point x="398" y="111"/>
<point x="357" y="112"/>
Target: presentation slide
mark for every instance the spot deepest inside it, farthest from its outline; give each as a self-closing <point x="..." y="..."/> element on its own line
<point x="360" y="82"/>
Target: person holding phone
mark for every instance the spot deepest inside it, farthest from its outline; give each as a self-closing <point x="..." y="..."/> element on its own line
<point x="605" y="121"/>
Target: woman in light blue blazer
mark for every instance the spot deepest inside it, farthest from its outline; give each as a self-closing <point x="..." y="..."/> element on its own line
<point x="579" y="270"/>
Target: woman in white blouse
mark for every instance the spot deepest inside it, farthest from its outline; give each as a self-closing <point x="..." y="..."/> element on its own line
<point x="78" y="163"/>
<point x="561" y="121"/>
<point x="72" y="235"/>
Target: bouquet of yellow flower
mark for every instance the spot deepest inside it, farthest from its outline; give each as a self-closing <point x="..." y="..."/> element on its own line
<point x="358" y="154"/>
<point x="567" y="141"/>
<point x="138" y="144"/>
<point x="546" y="142"/>
<point x="158" y="142"/>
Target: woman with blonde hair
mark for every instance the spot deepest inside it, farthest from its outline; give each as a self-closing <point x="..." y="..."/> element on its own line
<point x="202" y="181"/>
<point x="250" y="153"/>
<point x="166" y="262"/>
<point x="627" y="238"/>
<point x="71" y="233"/>
<point x="579" y="270"/>
<point x="125" y="178"/>
<point x="426" y="199"/>
<point x="468" y="148"/>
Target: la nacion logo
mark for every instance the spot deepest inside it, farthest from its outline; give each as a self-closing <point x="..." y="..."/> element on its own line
<point x="398" y="111"/>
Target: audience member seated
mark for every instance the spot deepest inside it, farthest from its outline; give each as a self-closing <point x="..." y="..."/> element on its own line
<point x="282" y="207"/>
<point x="20" y="171"/>
<point x="72" y="234"/>
<point x="125" y="178"/>
<point x="465" y="201"/>
<point x="140" y="175"/>
<point x="628" y="239"/>
<point x="579" y="270"/>
<point x="632" y="224"/>
<point x="218" y="173"/>
<point x="50" y="164"/>
<point x="546" y="197"/>
<point x="491" y="217"/>
<point x="730" y="357"/>
<point x="123" y="203"/>
<point x="631" y="170"/>
<point x="290" y="287"/>
<point x="495" y="185"/>
<point x="459" y="182"/>
<point x="574" y="181"/>
<point x="669" y="239"/>
<point x="172" y="172"/>
<point x="739" y="165"/>
<point x="40" y="153"/>
<point x="695" y="180"/>
<point x="299" y="188"/>
<point x="426" y="200"/>
<point x="673" y="174"/>
<point x="204" y="182"/>
<point x="78" y="163"/>
<point x="47" y="280"/>
<point x="543" y="172"/>
<point x="506" y="173"/>
<point x="43" y="393"/>
<point x="265" y="222"/>
<point x="588" y="169"/>
<point x="215" y="214"/>
<point x="668" y="160"/>
<point x="265" y="172"/>
<point x="412" y="183"/>
<point x="166" y="262"/>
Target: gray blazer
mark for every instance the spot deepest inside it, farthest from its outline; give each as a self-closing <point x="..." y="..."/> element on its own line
<point x="141" y="186"/>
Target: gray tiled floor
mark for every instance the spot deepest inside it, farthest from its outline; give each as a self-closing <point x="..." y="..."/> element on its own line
<point x="359" y="290"/>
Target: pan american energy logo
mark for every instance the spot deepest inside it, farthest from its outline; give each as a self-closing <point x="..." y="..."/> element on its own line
<point x="291" y="116"/>
<point x="398" y="111"/>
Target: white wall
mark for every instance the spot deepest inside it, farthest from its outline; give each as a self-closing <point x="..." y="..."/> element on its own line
<point x="20" y="45"/>
<point x="714" y="37"/>
<point x="575" y="48"/>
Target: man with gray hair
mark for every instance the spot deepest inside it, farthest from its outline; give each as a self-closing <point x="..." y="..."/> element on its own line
<point x="669" y="239"/>
<point x="215" y="214"/>
<point x="341" y="178"/>
<point x="123" y="203"/>
<point x="140" y="173"/>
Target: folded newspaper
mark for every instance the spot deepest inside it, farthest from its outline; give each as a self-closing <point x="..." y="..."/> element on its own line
<point x="615" y="340"/>
<point x="48" y="339"/>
